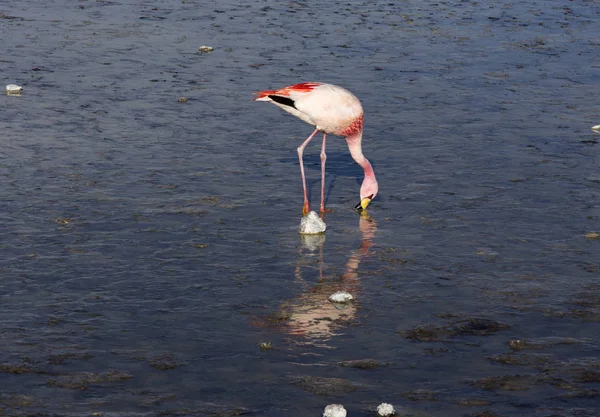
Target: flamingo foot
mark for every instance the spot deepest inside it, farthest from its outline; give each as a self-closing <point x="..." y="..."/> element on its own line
<point x="325" y="210"/>
<point x="305" y="208"/>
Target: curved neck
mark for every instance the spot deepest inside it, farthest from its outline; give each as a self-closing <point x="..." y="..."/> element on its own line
<point x="355" y="146"/>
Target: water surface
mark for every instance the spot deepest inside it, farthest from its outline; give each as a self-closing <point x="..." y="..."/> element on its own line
<point x="149" y="246"/>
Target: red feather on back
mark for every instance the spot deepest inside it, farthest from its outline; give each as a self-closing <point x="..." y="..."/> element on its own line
<point x="301" y="88"/>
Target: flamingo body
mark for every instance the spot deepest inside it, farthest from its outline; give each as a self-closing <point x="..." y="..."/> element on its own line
<point x="331" y="109"/>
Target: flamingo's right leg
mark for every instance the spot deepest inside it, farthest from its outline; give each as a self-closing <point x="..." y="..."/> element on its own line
<point x="306" y="206"/>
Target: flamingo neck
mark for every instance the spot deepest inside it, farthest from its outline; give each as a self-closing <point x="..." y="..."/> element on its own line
<point x="355" y="147"/>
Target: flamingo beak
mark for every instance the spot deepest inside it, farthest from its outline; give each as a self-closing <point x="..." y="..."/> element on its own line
<point x="363" y="203"/>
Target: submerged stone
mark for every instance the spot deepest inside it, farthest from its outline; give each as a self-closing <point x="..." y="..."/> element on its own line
<point x="324" y="386"/>
<point x="362" y="364"/>
<point x="505" y="383"/>
<point x="466" y="327"/>
<point x="541" y="342"/>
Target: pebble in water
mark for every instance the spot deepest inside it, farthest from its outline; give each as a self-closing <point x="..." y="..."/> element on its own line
<point x="385" y="410"/>
<point x="596" y="128"/>
<point x="334" y="410"/>
<point x="14" y="89"/>
<point x="265" y="346"/>
<point x="205" y="49"/>
<point x="340" y="297"/>
<point x="311" y="224"/>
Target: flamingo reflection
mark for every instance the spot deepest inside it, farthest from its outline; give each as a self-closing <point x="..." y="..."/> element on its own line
<point x="311" y="314"/>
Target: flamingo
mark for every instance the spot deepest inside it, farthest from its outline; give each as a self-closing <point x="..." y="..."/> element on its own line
<point x="334" y="110"/>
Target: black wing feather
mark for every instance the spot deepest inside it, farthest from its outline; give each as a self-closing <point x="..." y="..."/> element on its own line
<point x="286" y="101"/>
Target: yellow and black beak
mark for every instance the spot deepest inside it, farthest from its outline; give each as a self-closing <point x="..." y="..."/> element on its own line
<point x="363" y="204"/>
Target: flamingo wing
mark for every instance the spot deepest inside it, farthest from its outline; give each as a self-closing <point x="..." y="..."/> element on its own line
<point x="286" y="92"/>
<point x="289" y="97"/>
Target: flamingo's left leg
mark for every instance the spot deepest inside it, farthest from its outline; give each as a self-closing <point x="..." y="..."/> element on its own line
<point x="306" y="205"/>
<point x="323" y="159"/>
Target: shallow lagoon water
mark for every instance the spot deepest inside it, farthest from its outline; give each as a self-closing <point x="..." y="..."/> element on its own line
<point x="150" y="246"/>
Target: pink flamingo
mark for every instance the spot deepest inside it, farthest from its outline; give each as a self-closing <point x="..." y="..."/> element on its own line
<point x="331" y="109"/>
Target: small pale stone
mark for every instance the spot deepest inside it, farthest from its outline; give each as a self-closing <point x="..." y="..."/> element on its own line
<point x="14" y="89"/>
<point x="592" y="235"/>
<point x="311" y="224"/>
<point x="385" y="410"/>
<point x="182" y="99"/>
<point x="334" y="410"/>
<point x="596" y="128"/>
<point x="205" y="48"/>
<point x="265" y="346"/>
<point x="340" y="297"/>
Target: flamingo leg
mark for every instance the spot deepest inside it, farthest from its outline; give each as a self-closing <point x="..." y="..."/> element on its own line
<point x="306" y="206"/>
<point x="323" y="159"/>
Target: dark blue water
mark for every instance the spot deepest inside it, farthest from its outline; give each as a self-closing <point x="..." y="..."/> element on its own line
<point x="149" y="246"/>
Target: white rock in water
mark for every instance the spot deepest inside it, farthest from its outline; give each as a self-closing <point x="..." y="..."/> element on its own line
<point x="596" y="128"/>
<point x="205" y="48"/>
<point x="311" y="224"/>
<point x="340" y="297"/>
<point x="334" y="410"/>
<point x="385" y="410"/>
<point x="13" y="89"/>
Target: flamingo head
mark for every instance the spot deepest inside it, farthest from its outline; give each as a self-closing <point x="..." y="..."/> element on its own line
<point x="368" y="191"/>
